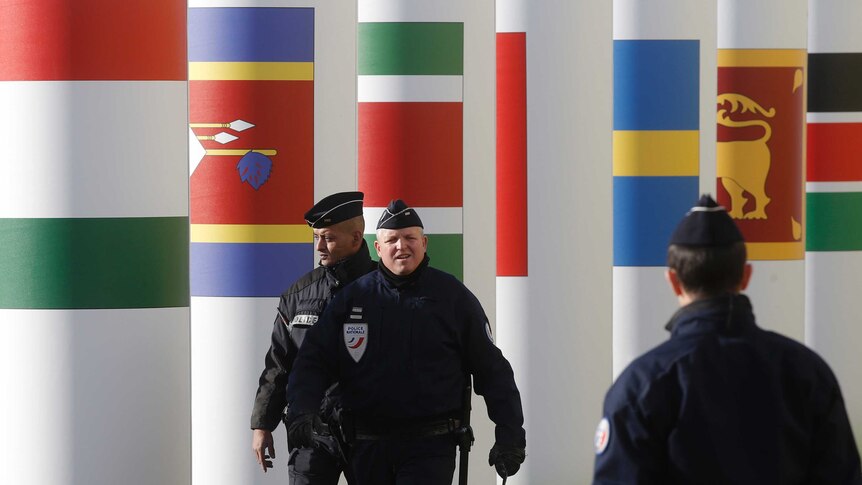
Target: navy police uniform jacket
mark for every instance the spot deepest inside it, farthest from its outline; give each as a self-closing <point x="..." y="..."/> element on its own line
<point x="725" y="402"/>
<point x="402" y="353"/>
<point x="298" y="309"/>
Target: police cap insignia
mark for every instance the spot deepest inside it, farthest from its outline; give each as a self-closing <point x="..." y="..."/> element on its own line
<point x="398" y="216"/>
<point x="335" y="208"/>
<point x="706" y="224"/>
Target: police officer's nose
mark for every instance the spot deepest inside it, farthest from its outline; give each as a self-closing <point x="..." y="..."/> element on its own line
<point x="320" y="244"/>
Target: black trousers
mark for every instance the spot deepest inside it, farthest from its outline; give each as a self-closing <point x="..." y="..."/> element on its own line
<point x="403" y="461"/>
<point x="315" y="466"/>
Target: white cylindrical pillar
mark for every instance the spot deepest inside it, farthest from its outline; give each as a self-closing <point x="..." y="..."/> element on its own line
<point x="94" y="317"/>
<point x="833" y="258"/>
<point x="554" y="77"/>
<point x="664" y="139"/>
<point x="271" y="95"/>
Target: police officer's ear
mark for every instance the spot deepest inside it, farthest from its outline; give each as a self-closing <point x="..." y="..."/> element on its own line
<point x="377" y="247"/>
<point x="746" y="277"/>
<point x="674" y="282"/>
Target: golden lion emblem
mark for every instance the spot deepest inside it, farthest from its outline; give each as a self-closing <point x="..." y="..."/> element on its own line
<point x="744" y="165"/>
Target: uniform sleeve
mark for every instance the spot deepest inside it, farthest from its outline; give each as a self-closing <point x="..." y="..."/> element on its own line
<point x="631" y="440"/>
<point x="271" y="399"/>
<point x="835" y="456"/>
<point x="315" y="367"/>
<point x="493" y="377"/>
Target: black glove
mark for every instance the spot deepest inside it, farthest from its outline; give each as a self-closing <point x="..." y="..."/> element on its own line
<point x="506" y="459"/>
<point x="300" y="430"/>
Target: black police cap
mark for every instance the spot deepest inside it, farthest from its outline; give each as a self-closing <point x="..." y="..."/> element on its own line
<point x="706" y="224"/>
<point x="335" y="208"/>
<point x="398" y="216"/>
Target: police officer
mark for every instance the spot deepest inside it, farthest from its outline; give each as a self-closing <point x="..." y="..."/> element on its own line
<point x="723" y="401"/>
<point x="402" y="342"/>
<point x="338" y="228"/>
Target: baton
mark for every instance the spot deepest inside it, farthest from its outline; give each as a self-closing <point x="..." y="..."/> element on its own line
<point x="466" y="434"/>
<point x="501" y="470"/>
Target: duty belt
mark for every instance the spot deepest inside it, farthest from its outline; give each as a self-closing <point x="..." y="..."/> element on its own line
<point x="423" y="430"/>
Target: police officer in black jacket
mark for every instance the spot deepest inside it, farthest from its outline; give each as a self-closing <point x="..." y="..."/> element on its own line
<point x="723" y="401"/>
<point x="402" y="342"/>
<point x="338" y="228"/>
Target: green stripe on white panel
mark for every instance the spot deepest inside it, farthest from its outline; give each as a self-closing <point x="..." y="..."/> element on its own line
<point x="94" y="263"/>
<point x="94" y="149"/>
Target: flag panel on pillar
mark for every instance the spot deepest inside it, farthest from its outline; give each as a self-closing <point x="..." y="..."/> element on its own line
<point x="759" y="148"/>
<point x="251" y="113"/>
<point x="834" y="151"/>
<point x="834" y="80"/>
<point x="834" y="221"/>
<point x="412" y="151"/>
<point x="834" y="168"/>
<point x="280" y="146"/>
<point x="656" y="144"/>
<point x="94" y="262"/>
<point x="512" y="154"/>
<point x="82" y="40"/>
<point x="410" y="124"/>
<point x="656" y="84"/>
<point x="646" y="210"/>
<point x="411" y="48"/>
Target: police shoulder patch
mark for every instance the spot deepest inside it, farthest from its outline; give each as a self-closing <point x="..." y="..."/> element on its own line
<point x="488" y="331"/>
<point x="355" y="339"/>
<point x="603" y="436"/>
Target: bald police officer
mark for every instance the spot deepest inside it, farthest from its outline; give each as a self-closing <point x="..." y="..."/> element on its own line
<point x="338" y="228"/>
<point x="722" y="401"/>
<point x="402" y="342"/>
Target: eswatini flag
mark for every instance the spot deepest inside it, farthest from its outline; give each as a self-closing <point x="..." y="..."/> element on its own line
<point x="251" y="114"/>
<point x="410" y="127"/>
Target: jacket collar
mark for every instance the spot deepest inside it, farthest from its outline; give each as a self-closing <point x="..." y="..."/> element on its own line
<point x="399" y="282"/>
<point x="726" y="314"/>
<point x="352" y="267"/>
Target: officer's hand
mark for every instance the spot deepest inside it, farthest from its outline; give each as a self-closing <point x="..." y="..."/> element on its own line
<point x="261" y="441"/>
<point x="506" y="459"/>
<point x="300" y="430"/>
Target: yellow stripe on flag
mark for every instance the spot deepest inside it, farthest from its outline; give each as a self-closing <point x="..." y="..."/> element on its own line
<point x="251" y="233"/>
<point x="780" y="251"/>
<point x="656" y="153"/>
<point x="251" y="71"/>
<point x="762" y="58"/>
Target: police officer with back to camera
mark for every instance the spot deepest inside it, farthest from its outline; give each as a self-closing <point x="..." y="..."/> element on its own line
<point x="403" y="342"/>
<point x="723" y="401"/>
<point x="338" y="228"/>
